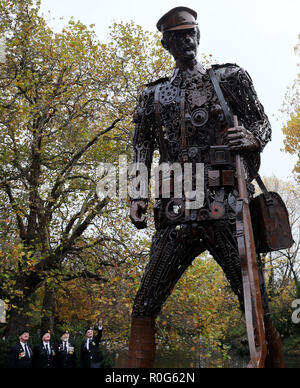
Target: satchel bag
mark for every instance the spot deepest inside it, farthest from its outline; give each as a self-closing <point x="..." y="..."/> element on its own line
<point x="269" y="215"/>
<point x="270" y="220"/>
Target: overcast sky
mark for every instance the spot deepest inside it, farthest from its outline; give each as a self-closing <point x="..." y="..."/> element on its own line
<point x="258" y="35"/>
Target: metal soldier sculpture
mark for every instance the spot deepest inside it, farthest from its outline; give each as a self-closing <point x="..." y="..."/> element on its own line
<point x="183" y="118"/>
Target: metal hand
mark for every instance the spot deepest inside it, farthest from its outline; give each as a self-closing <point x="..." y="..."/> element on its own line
<point x="240" y="139"/>
<point x="137" y="211"/>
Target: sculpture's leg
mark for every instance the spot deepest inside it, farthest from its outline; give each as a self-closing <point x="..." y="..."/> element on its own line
<point x="220" y="239"/>
<point x="172" y="251"/>
<point x="142" y="343"/>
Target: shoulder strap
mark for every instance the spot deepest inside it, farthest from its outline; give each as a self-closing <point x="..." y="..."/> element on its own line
<point x="183" y="126"/>
<point x="262" y="186"/>
<point x="159" y="126"/>
<point x="221" y="98"/>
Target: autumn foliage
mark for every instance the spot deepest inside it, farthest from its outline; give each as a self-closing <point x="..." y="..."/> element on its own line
<point x="291" y="129"/>
<point x="66" y="256"/>
<point x="65" y="106"/>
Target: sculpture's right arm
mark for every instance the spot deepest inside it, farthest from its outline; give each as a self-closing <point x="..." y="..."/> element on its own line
<point x="143" y="147"/>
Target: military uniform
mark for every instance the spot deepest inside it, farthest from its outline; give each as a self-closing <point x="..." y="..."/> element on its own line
<point x="44" y="356"/>
<point x="20" y="356"/>
<point x="90" y="354"/>
<point x="65" y="355"/>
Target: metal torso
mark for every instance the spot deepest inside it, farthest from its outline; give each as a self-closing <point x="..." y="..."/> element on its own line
<point x="192" y="126"/>
<point x="204" y="121"/>
<point x="182" y="117"/>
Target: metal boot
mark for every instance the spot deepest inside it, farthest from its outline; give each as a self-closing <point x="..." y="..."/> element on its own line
<point x="142" y="343"/>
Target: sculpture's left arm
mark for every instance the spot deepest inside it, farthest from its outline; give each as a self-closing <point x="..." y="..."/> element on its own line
<point x="238" y="88"/>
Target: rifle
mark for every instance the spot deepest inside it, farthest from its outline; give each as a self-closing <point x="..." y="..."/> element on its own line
<point x="254" y="313"/>
<point x="251" y="286"/>
<point x="260" y="328"/>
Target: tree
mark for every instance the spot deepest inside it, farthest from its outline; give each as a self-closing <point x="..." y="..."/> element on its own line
<point x="292" y="129"/>
<point x="65" y="105"/>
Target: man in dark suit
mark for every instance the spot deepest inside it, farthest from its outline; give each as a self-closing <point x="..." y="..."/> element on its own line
<point x="21" y="354"/>
<point x="90" y="354"/>
<point x="44" y="353"/>
<point x="65" y="352"/>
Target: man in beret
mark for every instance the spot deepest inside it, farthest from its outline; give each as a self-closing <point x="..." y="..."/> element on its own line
<point x="65" y="352"/>
<point x="44" y="352"/>
<point x="21" y="354"/>
<point x="90" y="354"/>
<point x="183" y="118"/>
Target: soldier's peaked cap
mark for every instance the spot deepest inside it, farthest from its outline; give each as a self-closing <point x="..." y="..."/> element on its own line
<point x="23" y="332"/>
<point x="179" y="18"/>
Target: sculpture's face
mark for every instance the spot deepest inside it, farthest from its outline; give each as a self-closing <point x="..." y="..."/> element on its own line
<point x="184" y="44"/>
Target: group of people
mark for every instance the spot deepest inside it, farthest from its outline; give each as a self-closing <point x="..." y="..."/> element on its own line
<point x="62" y="355"/>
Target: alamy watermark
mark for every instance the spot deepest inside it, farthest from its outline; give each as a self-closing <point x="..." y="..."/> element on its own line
<point x="166" y="181"/>
<point x="2" y="311"/>
<point x="296" y="313"/>
<point x="2" y="50"/>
